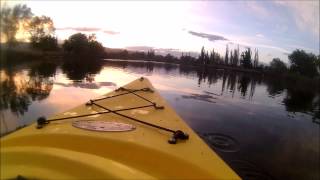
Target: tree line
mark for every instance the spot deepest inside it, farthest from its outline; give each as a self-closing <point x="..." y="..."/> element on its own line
<point x="41" y="33"/>
<point x="301" y="63"/>
<point x="39" y="30"/>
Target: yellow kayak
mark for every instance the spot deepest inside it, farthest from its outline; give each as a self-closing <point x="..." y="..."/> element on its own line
<point x="130" y="133"/>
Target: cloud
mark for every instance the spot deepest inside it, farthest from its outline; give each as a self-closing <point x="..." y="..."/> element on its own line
<point x="88" y="29"/>
<point x="139" y="48"/>
<point x="111" y="32"/>
<point x="305" y="14"/>
<point x="259" y="45"/>
<point x="260" y="35"/>
<point x="167" y="49"/>
<point x="210" y="37"/>
<point x="83" y="29"/>
<point x="258" y="8"/>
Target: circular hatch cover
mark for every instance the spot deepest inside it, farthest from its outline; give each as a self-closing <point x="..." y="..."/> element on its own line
<point x="98" y="125"/>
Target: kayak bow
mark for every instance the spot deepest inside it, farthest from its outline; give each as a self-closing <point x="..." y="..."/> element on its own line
<point x="122" y="135"/>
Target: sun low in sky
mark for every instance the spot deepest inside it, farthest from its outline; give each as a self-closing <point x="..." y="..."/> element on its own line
<point x="276" y="28"/>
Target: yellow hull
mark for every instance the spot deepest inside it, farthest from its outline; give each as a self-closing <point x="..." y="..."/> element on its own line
<point x="59" y="150"/>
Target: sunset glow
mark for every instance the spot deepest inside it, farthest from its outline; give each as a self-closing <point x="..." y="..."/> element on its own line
<point x="274" y="27"/>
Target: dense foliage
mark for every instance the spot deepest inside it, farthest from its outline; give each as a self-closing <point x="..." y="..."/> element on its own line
<point x="46" y="43"/>
<point x="82" y="45"/>
<point x="278" y="66"/>
<point x="303" y="63"/>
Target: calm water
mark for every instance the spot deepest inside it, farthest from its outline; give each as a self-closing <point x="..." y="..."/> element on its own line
<point x="263" y="128"/>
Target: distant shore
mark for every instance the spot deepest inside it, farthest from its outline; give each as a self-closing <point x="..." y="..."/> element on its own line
<point x="181" y="64"/>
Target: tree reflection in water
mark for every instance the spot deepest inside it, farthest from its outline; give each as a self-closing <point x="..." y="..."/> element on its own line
<point x="78" y="69"/>
<point x="299" y="96"/>
<point x="18" y="90"/>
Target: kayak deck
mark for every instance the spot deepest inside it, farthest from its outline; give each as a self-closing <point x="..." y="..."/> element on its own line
<point x="60" y="150"/>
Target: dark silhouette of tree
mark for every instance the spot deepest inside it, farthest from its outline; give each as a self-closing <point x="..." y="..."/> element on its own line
<point x="81" y="45"/>
<point x="212" y="58"/>
<point x="246" y="60"/>
<point x="187" y="59"/>
<point x="206" y="58"/>
<point x="46" y="43"/>
<point x="201" y="58"/>
<point x="232" y="58"/>
<point x="150" y="54"/>
<point x="318" y="62"/>
<point x="256" y="59"/>
<point x="236" y="56"/>
<point x="303" y="63"/>
<point x="169" y="57"/>
<point x="277" y="66"/>
<point x="226" y="58"/>
<point x="12" y="19"/>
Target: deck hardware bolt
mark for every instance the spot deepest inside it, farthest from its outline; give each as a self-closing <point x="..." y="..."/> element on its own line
<point x="41" y="122"/>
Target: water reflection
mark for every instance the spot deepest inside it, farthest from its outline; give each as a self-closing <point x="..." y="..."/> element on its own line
<point x="305" y="100"/>
<point x="19" y="89"/>
<point x="200" y="97"/>
<point x="78" y="69"/>
<point x="86" y="84"/>
<point x="13" y="96"/>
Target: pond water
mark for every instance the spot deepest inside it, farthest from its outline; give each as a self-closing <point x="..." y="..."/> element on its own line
<point x="264" y="128"/>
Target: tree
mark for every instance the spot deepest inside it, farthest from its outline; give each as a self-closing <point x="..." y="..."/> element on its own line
<point x="278" y="66"/>
<point x="201" y="58"/>
<point x="231" y="57"/>
<point x="236" y="56"/>
<point x="303" y="63"/>
<point x="246" y="60"/>
<point x="151" y="54"/>
<point x="169" y="57"/>
<point x="79" y="44"/>
<point x="206" y="58"/>
<point x="226" y="58"/>
<point x="76" y="43"/>
<point x="41" y="29"/>
<point x="256" y="59"/>
<point x="12" y="19"/>
<point x="318" y="63"/>
<point x="46" y="43"/>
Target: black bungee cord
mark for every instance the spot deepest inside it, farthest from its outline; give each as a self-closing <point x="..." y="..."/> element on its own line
<point x="177" y="134"/>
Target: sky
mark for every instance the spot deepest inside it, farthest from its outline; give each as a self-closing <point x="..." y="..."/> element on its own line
<point x="275" y="28"/>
